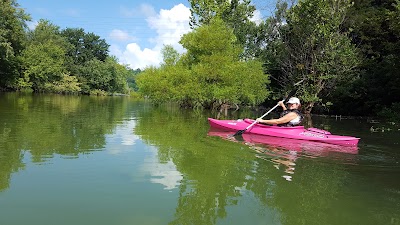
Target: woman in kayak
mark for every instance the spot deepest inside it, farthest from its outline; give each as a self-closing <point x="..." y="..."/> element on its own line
<point x="289" y="117"/>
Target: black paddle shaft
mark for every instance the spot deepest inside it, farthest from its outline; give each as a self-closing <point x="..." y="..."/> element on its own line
<point x="289" y="96"/>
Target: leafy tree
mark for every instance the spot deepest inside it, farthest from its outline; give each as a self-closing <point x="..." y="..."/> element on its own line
<point x="45" y="31"/>
<point x="375" y="29"/>
<point x="237" y="15"/>
<point x="66" y="85"/>
<point x="44" y="57"/>
<point x="210" y="74"/>
<point x="310" y="44"/>
<point x="47" y="59"/>
<point x="203" y="12"/>
<point x="170" y="55"/>
<point x="120" y="75"/>
<point x="85" y="46"/>
<point x="12" y="38"/>
<point x="155" y="84"/>
<point x="171" y="82"/>
<point x="95" y="75"/>
<point x="132" y="79"/>
<point x="108" y="76"/>
<point x="43" y="63"/>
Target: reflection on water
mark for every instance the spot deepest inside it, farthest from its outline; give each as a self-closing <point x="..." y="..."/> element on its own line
<point x="122" y="137"/>
<point x="283" y="153"/>
<point x="116" y="161"/>
<point x="46" y="125"/>
<point x="279" y="158"/>
<point x="164" y="173"/>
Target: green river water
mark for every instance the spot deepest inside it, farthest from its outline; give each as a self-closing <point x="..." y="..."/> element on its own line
<point x="115" y="161"/>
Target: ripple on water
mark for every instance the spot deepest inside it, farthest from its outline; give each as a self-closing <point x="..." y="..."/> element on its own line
<point x="379" y="158"/>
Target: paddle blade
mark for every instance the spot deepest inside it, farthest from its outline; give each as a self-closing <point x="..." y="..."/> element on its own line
<point x="289" y="95"/>
<point x="239" y="132"/>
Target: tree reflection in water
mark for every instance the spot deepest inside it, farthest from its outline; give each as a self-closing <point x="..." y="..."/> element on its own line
<point x="219" y="174"/>
<point x="46" y="125"/>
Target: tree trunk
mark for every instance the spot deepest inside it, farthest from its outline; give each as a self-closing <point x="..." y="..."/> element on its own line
<point x="308" y="107"/>
<point x="308" y="121"/>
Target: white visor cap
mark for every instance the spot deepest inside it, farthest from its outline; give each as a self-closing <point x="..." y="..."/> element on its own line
<point x="293" y="100"/>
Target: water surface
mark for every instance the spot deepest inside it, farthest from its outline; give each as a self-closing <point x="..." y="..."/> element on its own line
<point x="113" y="160"/>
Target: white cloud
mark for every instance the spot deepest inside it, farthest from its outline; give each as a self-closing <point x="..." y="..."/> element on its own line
<point x="257" y="17"/>
<point x="143" y="10"/>
<point x="32" y="24"/>
<point x="120" y="35"/>
<point x="169" y="26"/>
<point x="72" y="12"/>
<point x="135" y="57"/>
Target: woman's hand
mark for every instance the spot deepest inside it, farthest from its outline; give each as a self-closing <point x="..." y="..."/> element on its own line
<point x="282" y="104"/>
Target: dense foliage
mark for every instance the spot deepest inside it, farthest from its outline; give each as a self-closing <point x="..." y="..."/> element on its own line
<point x="12" y="39"/>
<point x="311" y="46"/>
<point x="209" y="74"/>
<point x="48" y="59"/>
<point x="237" y="15"/>
<point x="375" y="29"/>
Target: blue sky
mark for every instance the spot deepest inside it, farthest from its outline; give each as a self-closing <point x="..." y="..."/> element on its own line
<point x="136" y="30"/>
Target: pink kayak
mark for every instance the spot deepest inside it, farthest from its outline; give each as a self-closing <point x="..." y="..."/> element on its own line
<point x="298" y="132"/>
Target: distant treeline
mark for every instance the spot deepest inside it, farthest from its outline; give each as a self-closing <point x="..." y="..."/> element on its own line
<point x="48" y="59"/>
<point x="347" y="54"/>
